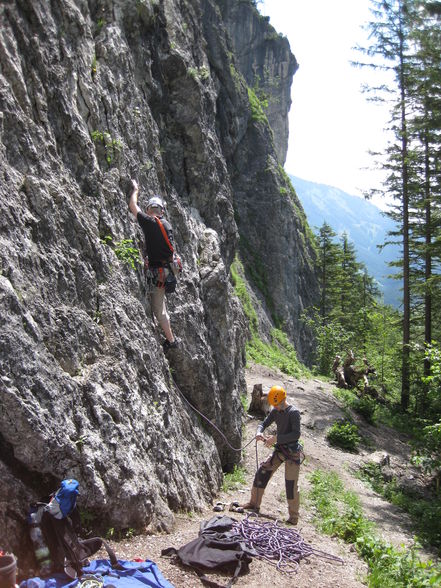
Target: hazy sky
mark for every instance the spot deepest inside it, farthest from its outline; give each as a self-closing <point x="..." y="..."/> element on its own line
<point x="332" y="125"/>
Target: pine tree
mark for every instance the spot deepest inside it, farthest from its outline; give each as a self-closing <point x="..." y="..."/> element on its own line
<point x="329" y="272"/>
<point x="359" y="293"/>
<point x="425" y="133"/>
<point x="350" y="279"/>
<point x="406" y="41"/>
<point x="390" y="32"/>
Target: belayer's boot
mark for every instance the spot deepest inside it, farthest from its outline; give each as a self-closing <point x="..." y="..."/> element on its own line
<point x="293" y="506"/>
<point x="255" y="499"/>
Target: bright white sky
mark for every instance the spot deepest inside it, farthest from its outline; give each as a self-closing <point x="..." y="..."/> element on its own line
<point x="332" y="125"/>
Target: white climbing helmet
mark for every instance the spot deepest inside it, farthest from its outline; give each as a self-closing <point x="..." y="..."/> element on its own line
<point x="156" y="202"/>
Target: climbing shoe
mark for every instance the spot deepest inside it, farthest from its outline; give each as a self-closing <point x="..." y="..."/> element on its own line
<point x="235" y="507"/>
<point x="166" y="345"/>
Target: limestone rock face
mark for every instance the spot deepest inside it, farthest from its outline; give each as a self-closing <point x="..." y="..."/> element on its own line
<point x="93" y="93"/>
<point x="264" y="58"/>
<point x="274" y="237"/>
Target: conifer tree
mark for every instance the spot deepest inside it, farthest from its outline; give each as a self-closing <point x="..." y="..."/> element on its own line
<point x="406" y="41"/>
<point x="350" y="279"/>
<point x="329" y="272"/>
<point x="390" y="32"/>
<point x="425" y="135"/>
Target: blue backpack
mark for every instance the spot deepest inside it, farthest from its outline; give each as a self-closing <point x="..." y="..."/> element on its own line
<point x="55" y="530"/>
<point x="65" y="499"/>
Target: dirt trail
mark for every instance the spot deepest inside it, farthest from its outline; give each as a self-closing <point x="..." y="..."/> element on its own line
<point x="319" y="409"/>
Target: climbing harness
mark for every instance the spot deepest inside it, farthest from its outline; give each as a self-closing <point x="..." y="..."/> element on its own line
<point x="296" y="455"/>
<point x="280" y="546"/>
<point x="155" y="276"/>
<point x="164" y="276"/>
<point x="164" y="234"/>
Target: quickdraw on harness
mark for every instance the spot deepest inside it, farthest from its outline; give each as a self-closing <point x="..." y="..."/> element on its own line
<point x="155" y="276"/>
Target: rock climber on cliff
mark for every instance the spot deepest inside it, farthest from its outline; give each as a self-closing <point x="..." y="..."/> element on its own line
<point x="158" y="236"/>
<point x="286" y="450"/>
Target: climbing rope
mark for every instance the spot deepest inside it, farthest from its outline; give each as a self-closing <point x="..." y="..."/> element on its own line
<point x="280" y="546"/>
<point x="212" y="424"/>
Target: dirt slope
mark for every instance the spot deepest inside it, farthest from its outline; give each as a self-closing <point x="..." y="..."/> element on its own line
<point x="319" y="409"/>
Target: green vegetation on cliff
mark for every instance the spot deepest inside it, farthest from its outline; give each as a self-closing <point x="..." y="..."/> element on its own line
<point x="279" y="352"/>
<point x="258" y="107"/>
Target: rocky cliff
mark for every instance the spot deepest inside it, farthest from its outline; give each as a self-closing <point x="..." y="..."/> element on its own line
<point x="93" y="93"/>
<point x="264" y="58"/>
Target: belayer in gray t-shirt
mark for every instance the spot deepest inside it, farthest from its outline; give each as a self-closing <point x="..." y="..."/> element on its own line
<point x="287" y="450"/>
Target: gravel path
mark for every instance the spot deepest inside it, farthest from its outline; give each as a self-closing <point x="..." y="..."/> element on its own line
<point x="319" y="409"/>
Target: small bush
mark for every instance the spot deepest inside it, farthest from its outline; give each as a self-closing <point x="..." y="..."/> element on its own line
<point x="257" y="106"/>
<point x="244" y="402"/>
<point x="128" y="254"/>
<point x="234" y="479"/>
<point x="343" y="434"/>
<point x="124" y="251"/>
<point x="112" y="146"/>
<point x="366" y="407"/>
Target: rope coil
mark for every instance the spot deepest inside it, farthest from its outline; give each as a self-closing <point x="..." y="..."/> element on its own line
<point x="280" y="546"/>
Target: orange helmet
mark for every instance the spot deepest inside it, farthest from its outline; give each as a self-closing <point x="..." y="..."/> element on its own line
<point x="276" y="395"/>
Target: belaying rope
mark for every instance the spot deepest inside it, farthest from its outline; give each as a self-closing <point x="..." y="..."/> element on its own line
<point x="212" y="424"/>
<point x="280" y="546"/>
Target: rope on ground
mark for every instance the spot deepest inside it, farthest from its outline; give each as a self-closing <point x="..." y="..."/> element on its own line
<point x="280" y="546"/>
<point x="211" y="422"/>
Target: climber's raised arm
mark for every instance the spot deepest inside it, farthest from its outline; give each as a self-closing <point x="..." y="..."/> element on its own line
<point x="133" y="203"/>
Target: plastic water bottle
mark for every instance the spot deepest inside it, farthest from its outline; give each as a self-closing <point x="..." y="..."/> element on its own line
<point x="41" y="550"/>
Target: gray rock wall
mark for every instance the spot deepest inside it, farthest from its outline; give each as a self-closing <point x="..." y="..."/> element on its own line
<point x="93" y="93"/>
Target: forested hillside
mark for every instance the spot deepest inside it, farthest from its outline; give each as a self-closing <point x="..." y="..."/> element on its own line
<point x="365" y="225"/>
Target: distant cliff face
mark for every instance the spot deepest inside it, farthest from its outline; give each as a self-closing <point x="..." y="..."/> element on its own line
<point x="265" y="60"/>
<point x="93" y="93"/>
<point x="274" y="243"/>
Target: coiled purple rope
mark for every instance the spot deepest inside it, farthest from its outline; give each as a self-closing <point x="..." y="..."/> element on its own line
<point x="280" y="546"/>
